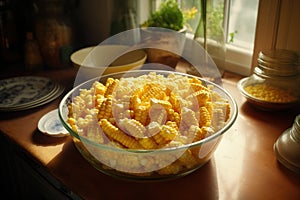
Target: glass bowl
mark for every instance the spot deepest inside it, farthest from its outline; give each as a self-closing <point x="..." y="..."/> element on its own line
<point x="167" y="162"/>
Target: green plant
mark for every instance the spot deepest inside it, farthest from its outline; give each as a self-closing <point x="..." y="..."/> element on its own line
<point x="231" y="36"/>
<point x="170" y="16"/>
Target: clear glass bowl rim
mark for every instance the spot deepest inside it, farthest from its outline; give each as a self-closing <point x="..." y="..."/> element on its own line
<point x="229" y="123"/>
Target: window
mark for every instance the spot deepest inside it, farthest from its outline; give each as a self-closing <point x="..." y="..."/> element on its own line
<point x="242" y="23"/>
<point x="241" y="28"/>
<point x="239" y="25"/>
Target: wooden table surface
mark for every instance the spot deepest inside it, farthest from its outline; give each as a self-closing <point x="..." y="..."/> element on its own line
<point x="243" y="167"/>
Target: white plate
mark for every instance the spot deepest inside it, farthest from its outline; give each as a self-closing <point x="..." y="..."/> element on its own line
<point x="50" y="124"/>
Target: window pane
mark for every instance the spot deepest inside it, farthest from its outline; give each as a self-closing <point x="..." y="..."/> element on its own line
<point x="242" y="23"/>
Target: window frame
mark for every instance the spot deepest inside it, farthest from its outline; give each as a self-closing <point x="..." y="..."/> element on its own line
<point x="268" y="19"/>
<point x="237" y="60"/>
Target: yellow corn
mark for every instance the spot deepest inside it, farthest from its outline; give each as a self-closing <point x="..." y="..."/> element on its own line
<point x="166" y="135"/>
<point x="118" y="135"/>
<point x="198" y="87"/>
<point x="195" y="80"/>
<point x="175" y="102"/>
<point x="147" y="143"/>
<point x="271" y="93"/>
<point x="105" y="109"/>
<point x="72" y="123"/>
<point x="195" y="133"/>
<point x="110" y="86"/>
<point x="133" y="127"/>
<point x="174" y="116"/>
<point x="201" y="96"/>
<point x="172" y="124"/>
<point x="141" y="114"/>
<point x="164" y="103"/>
<point x="134" y="102"/>
<point x="204" y="119"/>
<point x="153" y="128"/>
<point x="158" y="114"/>
<point x="188" y="117"/>
<point x="149" y="115"/>
<point x="187" y="159"/>
<point x="218" y="119"/>
<point x="152" y="91"/>
<point x="99" y="88"/>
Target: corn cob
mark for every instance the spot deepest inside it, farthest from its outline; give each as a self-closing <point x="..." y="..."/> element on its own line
<point x="174" y="116"/>
<point x="198" y="87"/>
<point x="188" y="117"/>
<point x="105" y="109"/>
<point x="187" y="159"/>
<point x="118" y="135"/>
<point x="166" y="135"/>
<point x="133" y="127"/>
<point x="175" y="102"/>
<point x="110" y="86"/>
<point x="99" y="88"/>
<point x="201" y="96"/>
<point x="152" y="91"/>
<point x="141" y="114"/>
<point x="218" y="119"/>
<point x="147" y="143"/>
<point x="164" y="103"/>
<point x="195" y="133"/>
<point x="195" y="80"/>
<point x="158" y="114"/>
<point x="204" y="119"/>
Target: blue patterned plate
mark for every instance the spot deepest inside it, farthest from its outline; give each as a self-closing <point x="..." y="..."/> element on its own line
<point x="26" y="92"/>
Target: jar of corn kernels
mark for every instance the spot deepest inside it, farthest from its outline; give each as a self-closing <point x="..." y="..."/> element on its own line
<point x="277" y="77"/>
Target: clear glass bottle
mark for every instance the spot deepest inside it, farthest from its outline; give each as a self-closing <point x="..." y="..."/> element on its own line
<point x="54" y="32"/>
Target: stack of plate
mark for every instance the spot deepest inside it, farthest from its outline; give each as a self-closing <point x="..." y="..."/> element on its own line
<point x="25" y="92"/>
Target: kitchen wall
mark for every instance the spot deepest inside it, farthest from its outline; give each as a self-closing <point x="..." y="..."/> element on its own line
<point x="92" y="20"/>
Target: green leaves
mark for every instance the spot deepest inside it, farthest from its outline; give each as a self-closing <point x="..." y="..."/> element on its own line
<point x="168" y="16"/>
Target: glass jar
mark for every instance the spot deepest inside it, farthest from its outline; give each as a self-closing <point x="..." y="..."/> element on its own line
<point x="54" y="33"/>
<point x="276" y="78"/>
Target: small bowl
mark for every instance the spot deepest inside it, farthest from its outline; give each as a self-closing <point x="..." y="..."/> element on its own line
<point x="106" y="59"/>
<point x="147" y="164"/>
<point x="262" y="104"/>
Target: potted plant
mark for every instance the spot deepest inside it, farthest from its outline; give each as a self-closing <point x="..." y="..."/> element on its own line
<point x="168" y="16"/>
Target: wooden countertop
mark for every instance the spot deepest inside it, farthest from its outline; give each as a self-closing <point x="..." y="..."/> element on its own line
<point x="243" y="167"/>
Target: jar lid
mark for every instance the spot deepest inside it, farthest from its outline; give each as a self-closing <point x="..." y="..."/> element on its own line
<point x="281" y="56"/>
<point x="277" y="68"/>
<point x="279" y="62"/>
<point x="275" y="74"/>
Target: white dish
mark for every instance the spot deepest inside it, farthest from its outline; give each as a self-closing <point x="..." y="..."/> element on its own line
<point x="50" y="124"/>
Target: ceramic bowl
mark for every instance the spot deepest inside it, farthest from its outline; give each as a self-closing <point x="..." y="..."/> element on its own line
<point x="105" y="59"/>
<point x="260" y="103"/>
